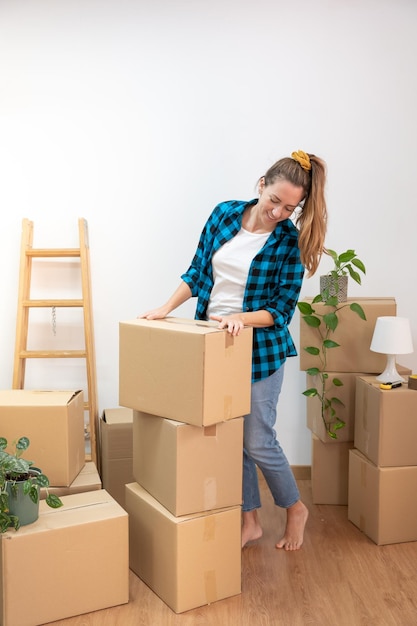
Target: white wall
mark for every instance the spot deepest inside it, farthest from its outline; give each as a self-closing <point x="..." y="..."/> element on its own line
<point x="141" y="115"/>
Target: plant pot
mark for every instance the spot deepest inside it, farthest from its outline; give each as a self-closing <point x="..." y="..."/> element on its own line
<point x="20" y="504"/>
<point x="331" y="287"/>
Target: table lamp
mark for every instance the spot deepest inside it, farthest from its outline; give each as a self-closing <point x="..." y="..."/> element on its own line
<point x="392" y="336"/>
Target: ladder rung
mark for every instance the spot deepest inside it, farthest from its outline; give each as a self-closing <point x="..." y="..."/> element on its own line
<point x="53" y="252"/>
<point x="52" y="354"/>
<point x="50" y="303"/>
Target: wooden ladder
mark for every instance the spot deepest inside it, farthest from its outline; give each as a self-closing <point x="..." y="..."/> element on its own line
<point x="25" y="303"/>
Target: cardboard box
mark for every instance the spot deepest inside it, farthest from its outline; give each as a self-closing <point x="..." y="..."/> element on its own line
<point x="53" y="421"/>
<point x="386" y="423"/>
<point x="185" y="370"/>
<point x="353" y="334"/>
<point x="330" y="471"/>
<point x="116" y="444"/>
<point x="382" y="500"/>
<point x="187" y="561"/>
<point x="75" y="557"/>
<point x="347" y="394"/>
<point x="87" y="480"/>
<point x="188" y="468"/>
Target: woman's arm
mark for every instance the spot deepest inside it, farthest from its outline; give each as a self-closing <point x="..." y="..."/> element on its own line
<point x="235" y="322"/>
<point x="180" y="295"/>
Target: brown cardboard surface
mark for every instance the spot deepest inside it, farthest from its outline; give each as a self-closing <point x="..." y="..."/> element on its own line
<point x="382" y="501"/>
<point x="116" y="437"/>
<point x="386" y="423"/>
<point x="345" y="393"/>
<point x="188" y="468"/>
<point x="187" y="561"/>
<point x="330" y="471"/>
<point x="75" y="557"/>
<point x="353" y="334"/>
<point x="184" y="370"/>
<point x="87" y="480"/>
<point x="54" y="423"/>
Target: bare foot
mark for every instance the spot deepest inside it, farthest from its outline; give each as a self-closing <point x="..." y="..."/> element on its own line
<point x="251" y="528"/>
<point x="297" y="515"/>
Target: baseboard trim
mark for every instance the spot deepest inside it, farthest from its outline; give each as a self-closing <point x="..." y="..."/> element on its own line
<point x="301" y="472"/>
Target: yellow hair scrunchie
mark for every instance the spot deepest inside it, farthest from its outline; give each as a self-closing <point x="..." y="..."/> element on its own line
<point x="303" y="159"/>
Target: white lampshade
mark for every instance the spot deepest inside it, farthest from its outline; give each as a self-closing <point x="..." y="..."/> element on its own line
<point x="392" y="336"/>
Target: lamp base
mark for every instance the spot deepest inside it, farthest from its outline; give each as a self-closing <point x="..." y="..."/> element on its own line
<point x="390" y="374"/>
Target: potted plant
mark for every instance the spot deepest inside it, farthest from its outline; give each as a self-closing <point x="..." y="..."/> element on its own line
<point x="335" y="282"/>
<point x="326" y="323"/>
<point x="20" y="484"/>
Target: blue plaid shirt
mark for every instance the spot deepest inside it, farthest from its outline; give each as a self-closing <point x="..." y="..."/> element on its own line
<point x="274" y="282"/>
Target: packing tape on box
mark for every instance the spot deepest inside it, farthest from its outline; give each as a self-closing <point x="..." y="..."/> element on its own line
<point x="209" y="532"/>
<point x="210" y="431"/>
<point x="229" y="342"/>
<point x="210" y="584"/>
<point x="227" y="407"/>
<point x="210" y="493"/>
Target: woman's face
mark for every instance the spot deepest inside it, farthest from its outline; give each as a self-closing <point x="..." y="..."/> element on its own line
<point x="278" y="201"/>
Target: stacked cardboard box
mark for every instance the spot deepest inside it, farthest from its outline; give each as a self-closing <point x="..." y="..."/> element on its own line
<point x="188" y="384"/>
<point x="78" y="553"/>
<point x="86" y="577"/>
<point x="330" y="457"/>
<point x="116" y="451"/>
<point x="383" y="464"/>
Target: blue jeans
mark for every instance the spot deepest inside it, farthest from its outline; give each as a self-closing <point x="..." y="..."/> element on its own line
<point x="262" y="449"/>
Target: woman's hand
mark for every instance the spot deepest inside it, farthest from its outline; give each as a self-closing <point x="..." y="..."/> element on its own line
<point x="232" y="323"/>
<point x="155" y="314"/>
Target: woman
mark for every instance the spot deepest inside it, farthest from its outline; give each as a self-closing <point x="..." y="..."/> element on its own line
<point x="247" y="271"/>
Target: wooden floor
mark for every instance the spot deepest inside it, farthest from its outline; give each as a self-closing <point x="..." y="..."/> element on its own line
<point x="339" y="578"/>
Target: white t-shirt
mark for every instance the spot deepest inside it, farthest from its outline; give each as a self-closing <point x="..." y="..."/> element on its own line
<point x="231" y="265"/>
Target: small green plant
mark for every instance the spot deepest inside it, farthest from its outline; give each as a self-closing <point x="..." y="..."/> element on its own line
<point x="14" y="469"/>
<point x="326" y="323"/>
<point x="345" y="264"/>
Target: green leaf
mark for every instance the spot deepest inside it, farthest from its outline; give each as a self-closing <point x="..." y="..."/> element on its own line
<point x="312" y="350"/>
<point x="310" y="393"/>
<point x="332" y="253"/>
<point x="328" y="343"/>
<point x="34" y="494"/>
<point x="3" y="443"/>
<point x="53" y="501"/>
<point x="332" y="435"/>
<point x="313" y="371"/>
<point x="331" y="320"/>
<point x="340" y="424"/>
<point x="337" y="401"/>
<point x="325" y="376"/>
<point x="42" y="480"/>
<point x="305" y="308"/>
<point x="332" y="301"/>
<point x="312" y="320"/>
<point x="23" y="443"/>
<point x="337" y="382"/>
<point x="317" y="298"/>
<point x="358" y="263"/>
<point x="347" y="256"/>
<point x="358" y="309"/>
<point x="354" y="275"/>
